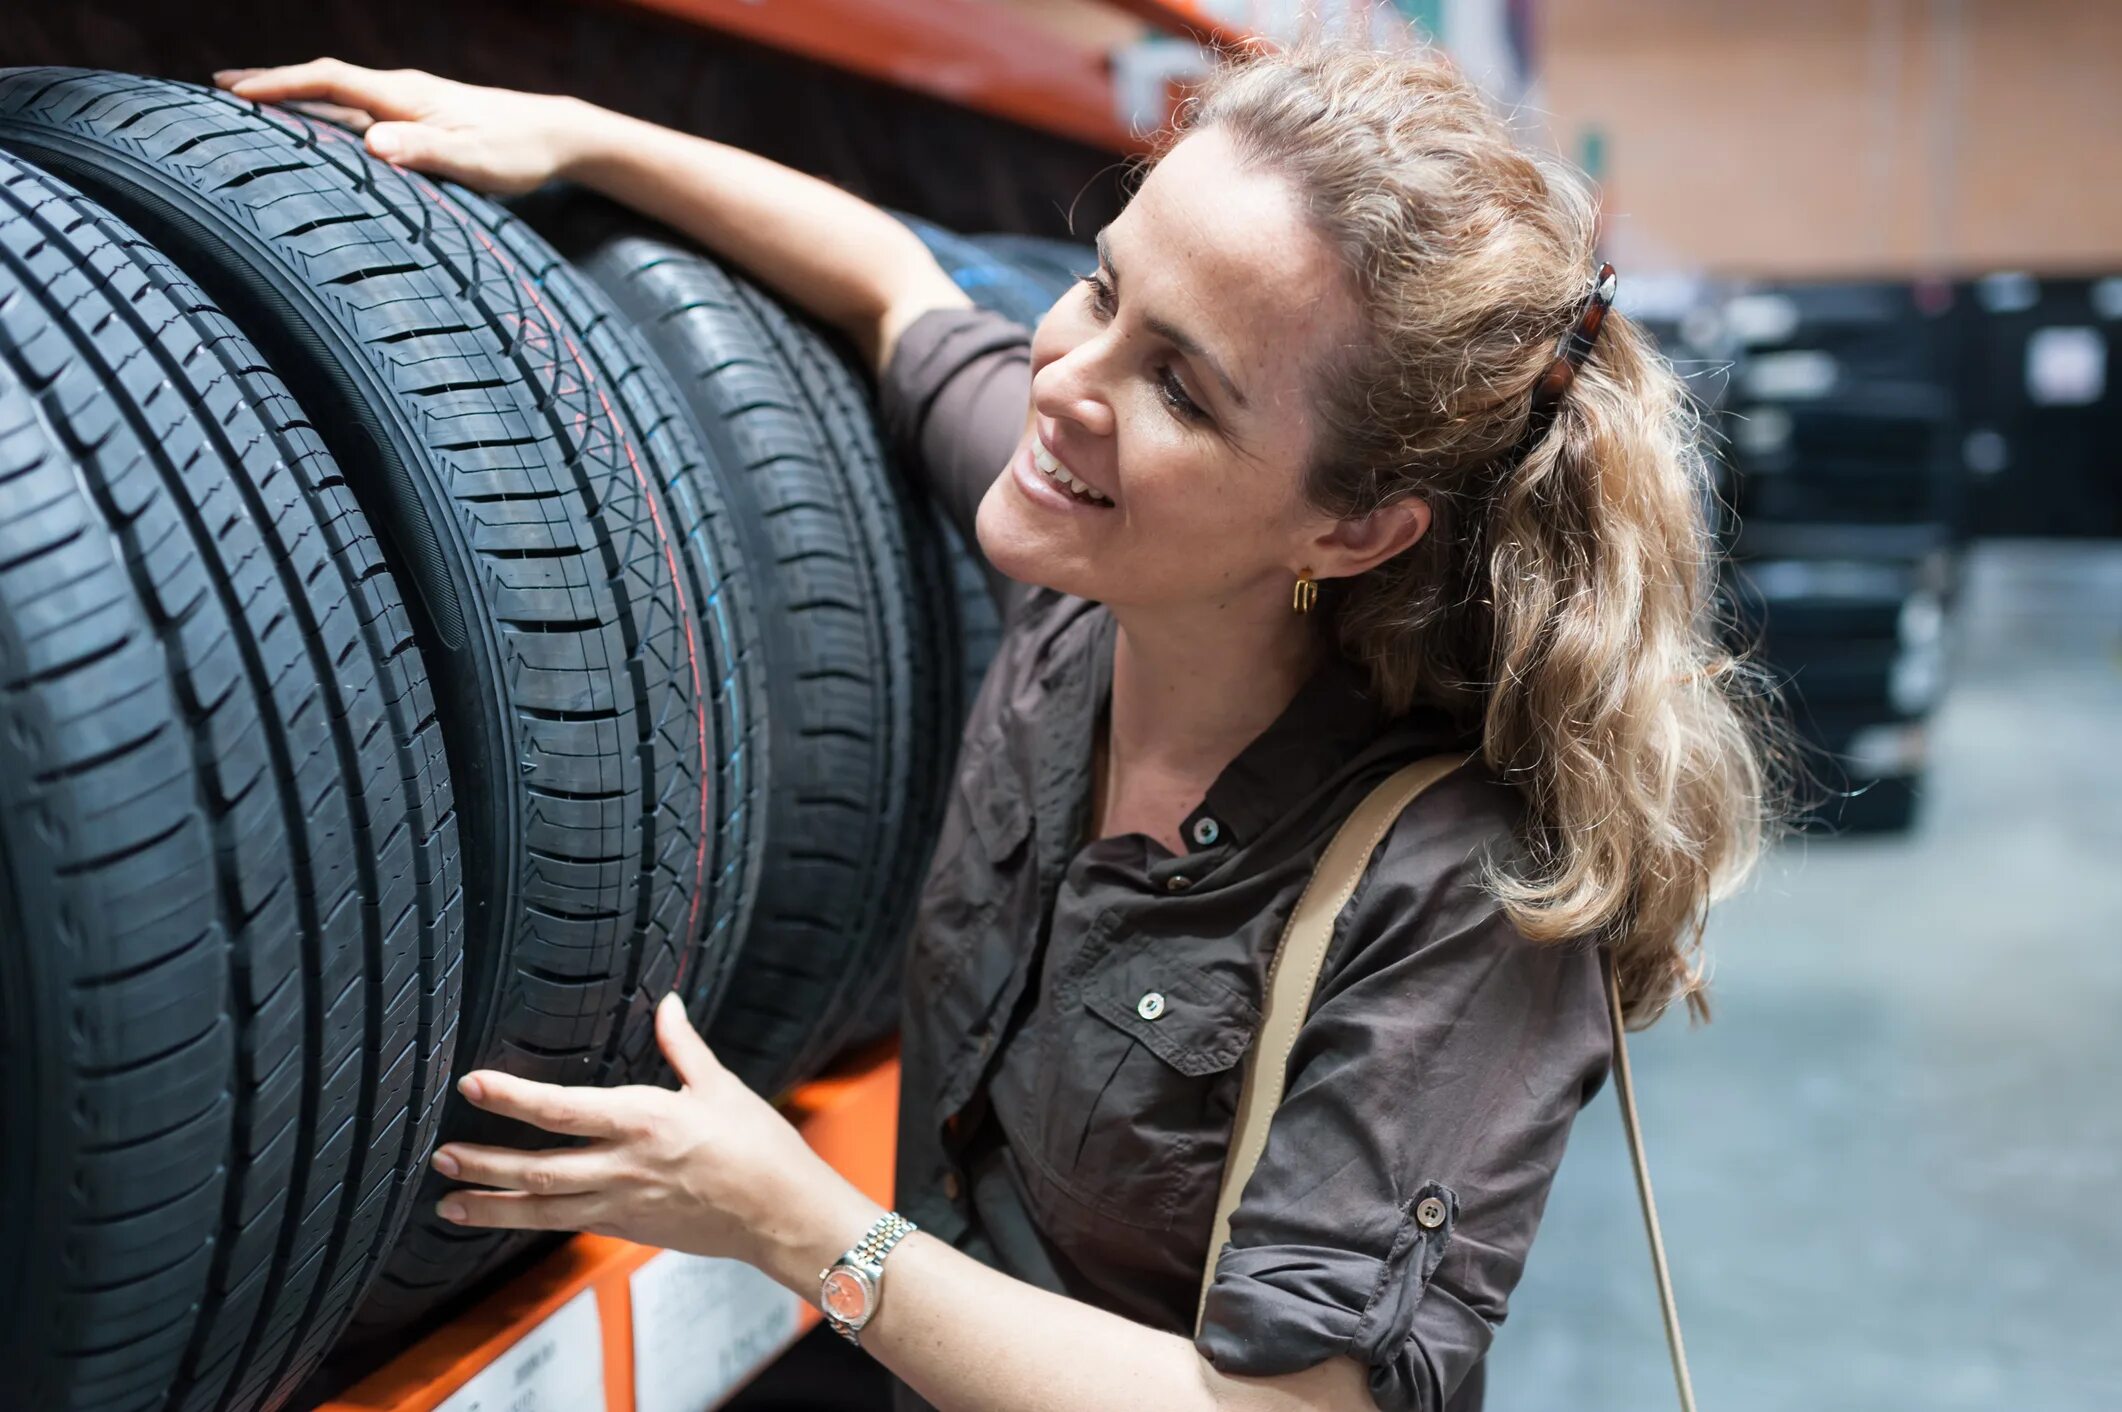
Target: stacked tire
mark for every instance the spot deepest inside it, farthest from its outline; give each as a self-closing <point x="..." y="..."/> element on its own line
<point x="863" y="736"/>
<point x="418" y="652"/>
<point x="1848" y="493"/>
<point x="231" y="900"/>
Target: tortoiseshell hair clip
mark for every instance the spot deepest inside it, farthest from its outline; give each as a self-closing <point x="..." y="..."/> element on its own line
<point x="1554" y="384"/>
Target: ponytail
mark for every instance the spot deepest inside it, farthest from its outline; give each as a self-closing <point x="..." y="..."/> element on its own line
<point x="1632" y="732"/>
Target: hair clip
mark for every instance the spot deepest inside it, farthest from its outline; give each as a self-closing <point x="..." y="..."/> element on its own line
<point x="1576" y="347"/>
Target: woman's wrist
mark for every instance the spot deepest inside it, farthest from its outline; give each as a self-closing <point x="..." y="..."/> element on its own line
<point x="589" y="142"/>
<point x="809" y="1235"/>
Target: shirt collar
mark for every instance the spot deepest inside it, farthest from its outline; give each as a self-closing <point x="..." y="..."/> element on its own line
<point x="1330" y="726"/>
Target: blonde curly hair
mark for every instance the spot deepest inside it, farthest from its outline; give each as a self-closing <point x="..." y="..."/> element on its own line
<point x="1562" y="599"/>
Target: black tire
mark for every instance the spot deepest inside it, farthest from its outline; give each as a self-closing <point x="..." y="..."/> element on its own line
<point x="230" y="907"/>
<point x="992" y="281"/>
<point x="1019" y="277"/>
<point x="436" y="1260"/>
<point x="860" y="641"/>
<point x="1057" y="265"/>
<point x="979" y="621"/>
<point x="529" y="513"/>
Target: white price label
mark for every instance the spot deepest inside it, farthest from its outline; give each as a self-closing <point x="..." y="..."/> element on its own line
<point x="2066" y="367"/>
<point x="556" y="1367"/>
<point x="703" y="1328"/>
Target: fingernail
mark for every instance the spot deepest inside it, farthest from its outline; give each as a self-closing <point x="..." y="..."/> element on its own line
<point x="450" y="1209"/>
<point x="383" y="145"/>
<point x="471" y="1088"/>
<point x="224" y="75"/>
<point x="445" y="1164"/>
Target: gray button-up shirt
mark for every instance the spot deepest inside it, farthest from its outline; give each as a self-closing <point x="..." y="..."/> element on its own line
<point x="1075" y="1013"/>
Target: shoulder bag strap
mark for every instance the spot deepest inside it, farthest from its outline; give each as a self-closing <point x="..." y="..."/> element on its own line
<point x="1292" y="976"/>
<point x="1625" y="1090"/>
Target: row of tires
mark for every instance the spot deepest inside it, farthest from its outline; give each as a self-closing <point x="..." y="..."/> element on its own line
<point x="425" y="641"/>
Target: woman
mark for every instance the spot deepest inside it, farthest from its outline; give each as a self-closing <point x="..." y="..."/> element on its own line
<point x="1270" y="513"/>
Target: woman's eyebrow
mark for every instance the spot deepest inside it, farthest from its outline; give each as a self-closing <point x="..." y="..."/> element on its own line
<point x="1184" y="342"/>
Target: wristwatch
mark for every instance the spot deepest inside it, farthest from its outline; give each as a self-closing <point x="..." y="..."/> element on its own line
<point x="850" y="1288"/>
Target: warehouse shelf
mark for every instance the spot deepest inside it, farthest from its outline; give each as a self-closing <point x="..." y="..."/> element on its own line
<point x="1023" y="63"/>
<point x="611" y="1326"/>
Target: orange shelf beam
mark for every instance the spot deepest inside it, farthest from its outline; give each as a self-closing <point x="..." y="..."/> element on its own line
<point x="1182" y="17"/>
<point x="966" y="52"/>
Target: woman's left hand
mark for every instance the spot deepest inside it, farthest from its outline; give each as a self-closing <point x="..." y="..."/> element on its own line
<point x="712" y="1169"/>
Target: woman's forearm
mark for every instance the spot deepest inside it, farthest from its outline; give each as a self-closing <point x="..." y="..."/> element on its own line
<point x="971" y="1339"/>
<point x="833" y="254"/>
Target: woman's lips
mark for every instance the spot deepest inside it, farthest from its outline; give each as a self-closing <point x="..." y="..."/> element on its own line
<point x="1050" y="465"/>
<point x="1042" y="490"/>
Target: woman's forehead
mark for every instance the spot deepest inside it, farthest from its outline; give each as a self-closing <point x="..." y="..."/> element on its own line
<point x="1223" y="252"/>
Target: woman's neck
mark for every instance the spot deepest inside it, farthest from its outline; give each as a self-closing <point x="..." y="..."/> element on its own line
<point x="1187" y="697"/>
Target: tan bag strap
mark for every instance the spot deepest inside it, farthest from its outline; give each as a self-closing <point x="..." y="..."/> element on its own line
<point x="1625" y="1090"/>
<point x="1292" y="976"/>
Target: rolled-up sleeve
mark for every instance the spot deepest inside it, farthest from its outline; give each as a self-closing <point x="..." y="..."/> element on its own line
<point x="953" y="400"/>
<point x="1431" y="1091"/>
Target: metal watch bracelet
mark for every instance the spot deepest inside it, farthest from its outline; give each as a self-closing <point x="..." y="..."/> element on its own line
<point x="850" y="1288"/>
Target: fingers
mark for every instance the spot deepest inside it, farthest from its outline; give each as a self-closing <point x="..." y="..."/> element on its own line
<point x="414" y="145"/>
<point x="425" y="149"/>
<point x="577" y="1112"/>
<point x="515" y="1211"/>
<point x="386" y="95"/>
<point x="690" y="1058"/>
<point x="562" y="1173"/>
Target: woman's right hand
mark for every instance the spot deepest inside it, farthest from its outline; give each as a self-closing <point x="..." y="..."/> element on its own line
<point x="492" y="139"/>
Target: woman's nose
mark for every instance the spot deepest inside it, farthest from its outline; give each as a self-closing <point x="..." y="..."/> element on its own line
<point x="1069" y="390"/>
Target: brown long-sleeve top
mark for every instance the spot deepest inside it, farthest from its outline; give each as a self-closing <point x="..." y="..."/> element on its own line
<point x="1075" y="1013"/>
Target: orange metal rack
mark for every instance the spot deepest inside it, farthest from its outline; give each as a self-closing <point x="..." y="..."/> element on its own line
<point x="987" y="56"/>
<point x="605" y="1325"/>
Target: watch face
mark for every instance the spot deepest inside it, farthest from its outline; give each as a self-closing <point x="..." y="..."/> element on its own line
<point x="846" y="1295"/>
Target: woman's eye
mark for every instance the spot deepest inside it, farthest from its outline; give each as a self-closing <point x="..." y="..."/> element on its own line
<point x="1101" y="294"/>
<point x="1175" y="395"/>
<point x="1168" y="385"/>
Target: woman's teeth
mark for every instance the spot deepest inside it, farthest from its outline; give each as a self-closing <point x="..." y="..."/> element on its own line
<point x="1055" y="471"/>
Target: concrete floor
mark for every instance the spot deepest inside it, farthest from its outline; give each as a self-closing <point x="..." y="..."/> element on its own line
<point x="1890" y="1170"/>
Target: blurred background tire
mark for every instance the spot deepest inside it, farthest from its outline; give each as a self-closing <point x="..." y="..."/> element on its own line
<point x="1847" y="488"/>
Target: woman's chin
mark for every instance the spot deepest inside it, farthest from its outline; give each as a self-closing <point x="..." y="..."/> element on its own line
<point x="1028" y="552"/>
<point x="1038" y="565"/>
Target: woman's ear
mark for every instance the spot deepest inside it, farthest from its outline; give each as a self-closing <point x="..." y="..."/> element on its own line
<point x="1352" y="547"/>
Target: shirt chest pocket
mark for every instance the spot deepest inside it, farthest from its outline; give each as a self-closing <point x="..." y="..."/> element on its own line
<point x="1139" y="1084"/>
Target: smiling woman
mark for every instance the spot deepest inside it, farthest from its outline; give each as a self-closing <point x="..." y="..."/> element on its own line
<point x="1337" y="462"/>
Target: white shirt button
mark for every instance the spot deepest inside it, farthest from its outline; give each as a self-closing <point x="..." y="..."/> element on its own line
<point x="1207" y="831"/>
<point x="1150" y="1006"/>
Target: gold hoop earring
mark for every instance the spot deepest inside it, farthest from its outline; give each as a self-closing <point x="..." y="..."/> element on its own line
<point x="1306" y="593"/>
